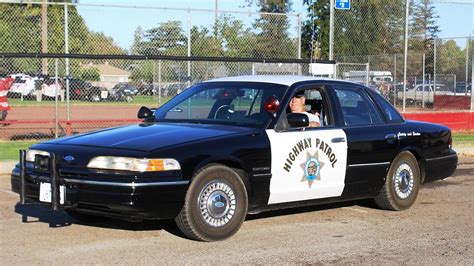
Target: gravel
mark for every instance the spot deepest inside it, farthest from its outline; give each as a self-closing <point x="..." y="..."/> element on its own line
<point x="438" y="229"/>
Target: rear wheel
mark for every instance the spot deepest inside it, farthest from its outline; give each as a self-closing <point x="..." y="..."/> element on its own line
<point x="401" y="185"/>
<point x="215" y="206"/>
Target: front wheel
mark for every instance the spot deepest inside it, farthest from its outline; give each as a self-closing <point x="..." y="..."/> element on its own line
<point x="215" y="206"/>
<point x="401" y="185"/>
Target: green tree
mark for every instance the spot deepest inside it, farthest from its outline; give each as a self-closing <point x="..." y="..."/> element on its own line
<point x="91" y="74"/>
<point x="272" y="38"/>
<point x="166" y="39"/>
<point x="423" y="29"/>
<point x="315" y="30"/>
<point x="368" y="28"/>
<point x="138" y="36"/>
<point x="451" y="59"/>
<point x="20" y="32"/>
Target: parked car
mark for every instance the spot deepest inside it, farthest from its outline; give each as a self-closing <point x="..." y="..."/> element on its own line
<point x="461" y="88"/>
<point x="122" y="92"/>
<point x="174" y="89"/>
<point x="147" y="89"/>
<point x="50" y="89"/>
<point x="424" y="93"/>
<point x="23" y="86"/>
<point x="208" y="161"/>
<point x="84" y="90"/>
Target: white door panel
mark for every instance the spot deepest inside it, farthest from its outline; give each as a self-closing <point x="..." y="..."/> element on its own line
<point x="306" y="164"/>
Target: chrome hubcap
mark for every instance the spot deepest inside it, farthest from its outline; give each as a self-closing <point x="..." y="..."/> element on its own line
<point x="403" y="181"/>
<point x="217" y="204"/>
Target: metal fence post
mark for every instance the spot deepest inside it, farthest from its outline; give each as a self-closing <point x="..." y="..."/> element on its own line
<point x="467" y="65"/>
<point x="189" y="45"/>
<point x="472" y="74"/>
<point x="331" y="30"/>
<point x="159" y="82"/>
<point x="423" y="84"/>
<point x="395" y="93"/>
<point x="434" y="69"/>
<point x="66" y="50"/>
<point x="367" y="74"/>
<point x="56" y="84"/>
<point x="405" y="57"/>
<point x="299" y="41"/>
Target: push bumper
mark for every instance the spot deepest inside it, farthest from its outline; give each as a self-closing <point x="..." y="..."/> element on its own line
<point x="119" y="196"/>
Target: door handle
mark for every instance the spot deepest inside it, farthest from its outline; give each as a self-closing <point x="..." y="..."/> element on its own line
<point x="391" y="137"/>
<point x="338" y="140"/>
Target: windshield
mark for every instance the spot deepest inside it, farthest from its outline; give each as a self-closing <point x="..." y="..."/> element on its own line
<point x="234" y="103"/>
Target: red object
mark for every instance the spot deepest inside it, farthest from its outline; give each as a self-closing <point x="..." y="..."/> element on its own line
<point x="456" y="121"/>
<point x="452" y="101"/>
<point x="272" y="104"/>
<point x="5" y="84"/>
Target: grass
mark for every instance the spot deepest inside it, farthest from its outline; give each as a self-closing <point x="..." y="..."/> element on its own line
<point x="137" y="100"/>
<point x="10" y="149"/>
<point x="463" y="139"/>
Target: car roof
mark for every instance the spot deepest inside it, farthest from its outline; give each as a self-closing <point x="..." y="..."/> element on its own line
<point x="287" y="80"/>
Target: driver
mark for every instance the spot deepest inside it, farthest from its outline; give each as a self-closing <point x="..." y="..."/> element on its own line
<point x="297" y="105"/>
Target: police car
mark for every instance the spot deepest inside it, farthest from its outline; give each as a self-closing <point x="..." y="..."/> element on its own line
<point x="231" y="146"/>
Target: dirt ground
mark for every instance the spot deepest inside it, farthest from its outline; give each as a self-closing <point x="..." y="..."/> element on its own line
<point x="438" y="229"/>
<point x="37" y="122"/>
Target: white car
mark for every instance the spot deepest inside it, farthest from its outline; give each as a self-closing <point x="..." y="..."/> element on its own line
<point x="23" y="86"/>
<point x="424" y="93"/>
<point x="49" y="88"/>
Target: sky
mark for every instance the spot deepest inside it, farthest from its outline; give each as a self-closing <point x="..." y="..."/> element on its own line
<point x="455" y="20"/>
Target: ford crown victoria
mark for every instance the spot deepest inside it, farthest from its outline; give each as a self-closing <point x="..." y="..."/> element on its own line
<point x="232" y="146"/>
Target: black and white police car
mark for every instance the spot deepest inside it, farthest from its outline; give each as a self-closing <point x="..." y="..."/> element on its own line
<point x="231" y="146"/>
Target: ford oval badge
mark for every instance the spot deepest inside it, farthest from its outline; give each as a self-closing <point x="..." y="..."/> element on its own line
<point x="219" y="204"/>
<point x="69" y="158"/>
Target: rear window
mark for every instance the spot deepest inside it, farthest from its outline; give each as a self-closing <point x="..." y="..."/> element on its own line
<point x="357" y="109"/>
<point x="389" y="112"/>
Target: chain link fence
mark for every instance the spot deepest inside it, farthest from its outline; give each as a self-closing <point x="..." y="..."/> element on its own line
<point x="43" y="108"/>
<point x="53" y="97"/>
<point x="438" y="71"/>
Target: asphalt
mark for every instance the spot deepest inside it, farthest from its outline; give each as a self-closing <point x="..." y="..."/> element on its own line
<point x="7" y="166"/>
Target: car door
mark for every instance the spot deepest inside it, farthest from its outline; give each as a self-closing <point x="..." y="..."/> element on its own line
<point x="307" y="163"/>
<point x="372" y="143"/>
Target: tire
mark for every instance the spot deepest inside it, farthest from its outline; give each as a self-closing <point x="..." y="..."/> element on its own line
<point x="215" y="205"/>
<point x="401" y="185"/>
<point x="128" y="99"/>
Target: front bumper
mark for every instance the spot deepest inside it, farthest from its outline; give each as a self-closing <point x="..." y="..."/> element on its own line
<point x="118" y="195"/>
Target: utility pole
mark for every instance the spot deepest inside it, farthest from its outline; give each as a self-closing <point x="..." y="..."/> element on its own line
<point x="44" y="35"/>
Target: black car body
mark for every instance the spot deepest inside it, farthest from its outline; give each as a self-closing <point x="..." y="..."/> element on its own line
<point x="83" y="90"/>
<point x="122" y="92"/>
<point x="213" y="154"/>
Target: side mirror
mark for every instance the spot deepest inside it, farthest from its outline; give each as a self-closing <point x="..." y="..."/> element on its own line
<point x="146" y="114"/>
<point x="297" y="120"/>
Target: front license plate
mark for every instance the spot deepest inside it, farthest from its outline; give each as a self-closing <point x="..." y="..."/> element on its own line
<point x="45" y="193"/>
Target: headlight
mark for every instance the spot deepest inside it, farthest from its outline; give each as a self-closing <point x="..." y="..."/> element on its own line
<point x="30" y="154"/>
<point x="133" y="164"/>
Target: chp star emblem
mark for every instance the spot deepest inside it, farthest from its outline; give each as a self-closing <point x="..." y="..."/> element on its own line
<point x="311" y="168"/>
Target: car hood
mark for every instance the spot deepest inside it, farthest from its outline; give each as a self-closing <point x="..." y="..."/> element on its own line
<point x="148" y="137"/>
